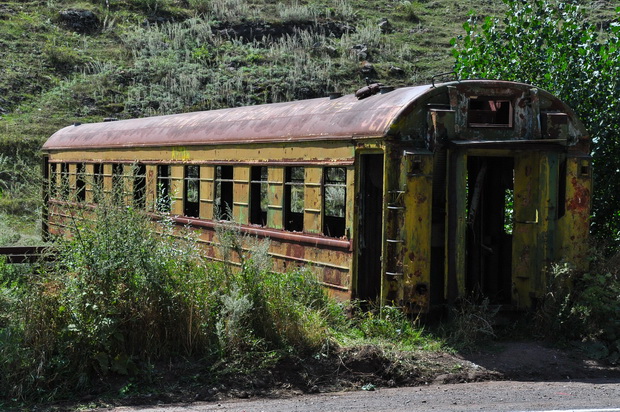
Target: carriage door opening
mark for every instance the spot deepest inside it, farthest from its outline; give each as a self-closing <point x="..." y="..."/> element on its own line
<point x="489" y="219"/>
<point x="370" y="230"/>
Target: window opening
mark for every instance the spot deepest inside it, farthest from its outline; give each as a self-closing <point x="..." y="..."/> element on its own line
<point x="139" y="186"/>
<point x="53" y="183"/>
<point x="561" y="189"/>
<point x="118" y="186"/>
<point x="223" y="192"/>
<point x="258" y="195"/>
<point x="163" y="189"/>
<point x="509" y="210"/>
<point x="80" y="183"/>
<point x="191" y="191"/>
<point x="489" y="112"/>
<point x="97" y="182"/>
<point x="294" y="199"/>
<point x="584" y="168"/>
<point x="334" y="201"/>
<point x="64" y="181"/>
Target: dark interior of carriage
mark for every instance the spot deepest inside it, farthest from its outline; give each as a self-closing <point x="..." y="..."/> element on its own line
<point x="370" y="227"/>
<point x="490" y="188"/>
<point x="294" y="199"/>
<point x="258" y="195"/>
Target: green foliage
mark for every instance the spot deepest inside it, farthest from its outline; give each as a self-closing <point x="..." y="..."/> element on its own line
<point x="411" y="10"/>
<point x="126" y="292"/>
<point x="20" y="183"/>
<point x="384" y="326"/>
<point x="551" y="44"/>
<point x="585" y="307"/>
<point x="62" y="58"/>
<point x="296" y="12"/>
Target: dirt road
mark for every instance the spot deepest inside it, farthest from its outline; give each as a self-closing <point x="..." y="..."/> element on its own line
<point x="587" y="395"/>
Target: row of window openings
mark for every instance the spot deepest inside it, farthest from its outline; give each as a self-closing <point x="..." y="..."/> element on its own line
<point x="334" y="192"/>
<point x="63" y="190"/>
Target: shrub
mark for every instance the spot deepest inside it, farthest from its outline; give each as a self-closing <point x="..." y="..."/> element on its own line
<point x="584" y="307"/>
<point x="551" y="44"/>
<point x="126" y="293"/>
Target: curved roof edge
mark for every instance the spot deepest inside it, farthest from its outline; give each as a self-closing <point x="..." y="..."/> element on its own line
<point x="342" y="118"/>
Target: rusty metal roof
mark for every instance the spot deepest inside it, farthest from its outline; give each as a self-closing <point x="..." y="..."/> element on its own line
<point x="345" y="117"/>
<point x="342" y="118"/>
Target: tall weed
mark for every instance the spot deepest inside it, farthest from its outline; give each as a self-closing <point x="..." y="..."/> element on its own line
<point x="126" y="292"/>
<point x="584" y="307"/>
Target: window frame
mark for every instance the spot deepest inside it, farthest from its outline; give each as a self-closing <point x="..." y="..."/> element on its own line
<point x="294" y="220"/>
<point x="223" y="192"/>
<point x="334" y="225"/>
<point x="259" y="195"/>
<point x="191" y="208"/>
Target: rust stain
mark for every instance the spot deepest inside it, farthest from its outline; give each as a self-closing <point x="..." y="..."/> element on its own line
<point x="580" y="201"/>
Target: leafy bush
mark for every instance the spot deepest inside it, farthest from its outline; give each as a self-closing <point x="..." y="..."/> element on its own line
<point x="386" y="325"/>
<point x="20" y="186"/>
<point x="585" y="307"/>
<point x="551" y="44"/>
<point x="125" y="293"/>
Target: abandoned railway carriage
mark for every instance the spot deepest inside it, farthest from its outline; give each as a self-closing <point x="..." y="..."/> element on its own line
<point x="415" y="196"/>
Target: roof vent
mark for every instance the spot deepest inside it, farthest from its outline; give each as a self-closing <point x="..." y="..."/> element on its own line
<point x="334" y="95"/>
<point x="368" y="91"/>
<point x="77" y="124"/>
<point x="110" y="119"/>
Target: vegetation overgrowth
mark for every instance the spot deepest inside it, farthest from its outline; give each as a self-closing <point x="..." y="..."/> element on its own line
<point x="66" y="61"/>
<point x="120" y="299"/>
<point x="125" y="294"/>
<point x="552" y="44"/>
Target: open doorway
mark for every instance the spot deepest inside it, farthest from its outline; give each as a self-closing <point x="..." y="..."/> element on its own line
<point x="490" y="189"/>
<point x="370" y="228"/>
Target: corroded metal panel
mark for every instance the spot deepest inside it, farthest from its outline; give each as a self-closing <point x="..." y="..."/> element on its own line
<point x="330" y="263"/>
<point x="313" y="199"/>
<point x="207" y="191"/>
<point x="548" y="195"/>
<point x="303" y="153"/>
<point x="241" y="194"/>
<point x="89" y="169"/>
<point x="418" y="207"/>
<point x="350" y="205"/>
<point x="573" y="227"/>
<point x="527" y="221"/>
<point x="176" y="190"/>
<point x="456" y="195"/>
<point x="275" y="218"/>
<point x="107" y="179"/>
<point x="395" y="233"/>
<point x="151" y="187"/>
<point x="72" y="180"/>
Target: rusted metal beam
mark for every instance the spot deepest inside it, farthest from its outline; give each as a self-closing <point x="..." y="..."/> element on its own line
<point x="26" y="254"/>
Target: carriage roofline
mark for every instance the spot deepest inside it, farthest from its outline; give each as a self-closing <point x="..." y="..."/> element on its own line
<point x="322" y="119"/>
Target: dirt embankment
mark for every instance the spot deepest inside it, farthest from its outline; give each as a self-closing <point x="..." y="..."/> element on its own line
<point x="370" y="368"/>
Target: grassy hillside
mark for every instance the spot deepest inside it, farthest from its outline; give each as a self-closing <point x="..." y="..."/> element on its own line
<point x="65" y="61"/>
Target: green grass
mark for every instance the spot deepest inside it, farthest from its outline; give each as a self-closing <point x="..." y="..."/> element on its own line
<point x="53" y="77"/>
<point x="126" y="294"/>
